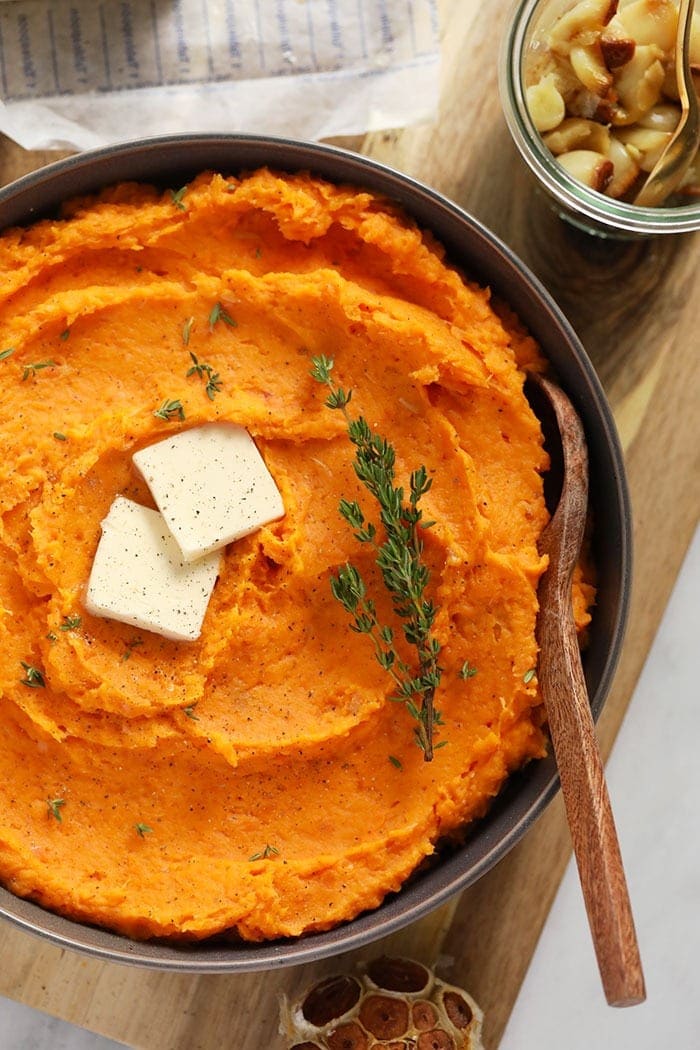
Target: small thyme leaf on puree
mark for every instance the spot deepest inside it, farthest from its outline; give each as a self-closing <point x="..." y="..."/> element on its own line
<point x="399" y="559"/>
<point x="187" y="330"/>
<point x="59" y="436"/>
<point x="204" y="371"/>
<point x="466" y="670"/>
<point x="396" y="762"/>
<point x="33" y="677"/>
<point x="177" y="196"/>
<point x="70" y="623"/>
<point x="189" y="711"/>
<point x="64" y="335"/>
<point x="130" y="646"/>
<point x="53" y="806"/>
<point x="37" y="366"/>
<point x="142" y="830"/>
<point x="218" y="313"/>
<point x="51" y="637"/>
<point x="170" y="409"/>
<point x="529" y="675"/>
<point x="266" y="853"/>
<point x="4" y="354"/>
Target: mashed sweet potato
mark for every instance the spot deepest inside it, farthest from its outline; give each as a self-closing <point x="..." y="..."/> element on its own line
<point x="257" y="781"/>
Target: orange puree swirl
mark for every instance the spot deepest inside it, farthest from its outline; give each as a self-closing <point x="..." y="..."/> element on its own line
<point x="273" y="735"/>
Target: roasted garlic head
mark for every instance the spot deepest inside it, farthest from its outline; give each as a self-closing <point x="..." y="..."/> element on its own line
<point x="397" y="1004"/>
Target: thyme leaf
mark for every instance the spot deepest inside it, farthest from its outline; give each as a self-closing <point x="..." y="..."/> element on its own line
<point x="130" y="646"/>
<point x="53" y="806"/>
<point x="266" y="853"/>
<point x="37" y="366"/>
<point x="466" y="670"/>
<point x="529" y="675"/>
<point x="218" y="313"/>
<point x="213" y="386"/>
<point x="33" y="677"/>
<point x="59" y="436"/>
<point x="187" y="329"/>
<point x="169" y="410"/>
<point x="4" y="354"/>
<point x="70" y="623"/>
<point x="189" y="711"/>
<point x="177" y="196"/>
<point x="142" y="830"/>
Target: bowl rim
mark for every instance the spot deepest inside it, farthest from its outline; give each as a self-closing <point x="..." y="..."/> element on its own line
<point x="29" y="197"/>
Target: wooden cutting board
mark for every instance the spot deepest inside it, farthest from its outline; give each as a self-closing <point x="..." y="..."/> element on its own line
<point x="635" y="307"/>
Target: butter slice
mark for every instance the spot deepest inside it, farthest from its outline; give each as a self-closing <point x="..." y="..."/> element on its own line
<point x="139" y="576"/>
<point x="211" y="485"/>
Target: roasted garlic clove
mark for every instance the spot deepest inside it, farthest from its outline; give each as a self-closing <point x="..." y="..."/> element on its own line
<point x="581" y="25"/>
<point x="591" y="168"/>
<point x="663" y="117"/>
<point x="638" y="84"/>
<point x="545" y="104"/>
<point x="575" y="133"/>
<point x="616" y="47"/>
<point x="650" y="22"/>
<point x="399" y="975"/>
<point x="625" y="169"/>
<point x="645" y="144"/>
<point x="331" y="1000"/>
<point x="588" y="65"/>
<point x="401" y="1005"/>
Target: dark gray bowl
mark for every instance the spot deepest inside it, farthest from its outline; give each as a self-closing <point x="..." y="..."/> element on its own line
<point x="173" y="160"/>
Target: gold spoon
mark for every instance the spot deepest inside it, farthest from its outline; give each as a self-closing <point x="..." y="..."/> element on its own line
<point x="675" y="160"/>
<point x="580" y="767"/>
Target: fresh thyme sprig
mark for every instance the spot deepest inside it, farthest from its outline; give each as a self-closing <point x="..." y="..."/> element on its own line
<point x="204" y="371"/>
<point x="399" y="559"/>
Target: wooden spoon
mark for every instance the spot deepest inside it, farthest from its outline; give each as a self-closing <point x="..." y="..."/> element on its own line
<point x="560" y="674"/>
<point x="668" y="172"/>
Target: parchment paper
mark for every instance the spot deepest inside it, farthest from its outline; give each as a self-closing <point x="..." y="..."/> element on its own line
<point x="83" y="73"/>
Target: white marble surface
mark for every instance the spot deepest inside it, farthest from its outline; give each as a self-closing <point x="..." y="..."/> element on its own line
<point x="654" y="777"/>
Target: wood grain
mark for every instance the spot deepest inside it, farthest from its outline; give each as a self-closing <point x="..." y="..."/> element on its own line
<point x="633" y="305"/>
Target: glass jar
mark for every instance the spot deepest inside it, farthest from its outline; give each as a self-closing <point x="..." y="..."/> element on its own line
<point x="576" y="203"/>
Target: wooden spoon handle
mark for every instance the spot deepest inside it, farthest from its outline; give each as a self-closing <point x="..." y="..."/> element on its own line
<point x="560" y="673"/>
<point x="589" y="813"/>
